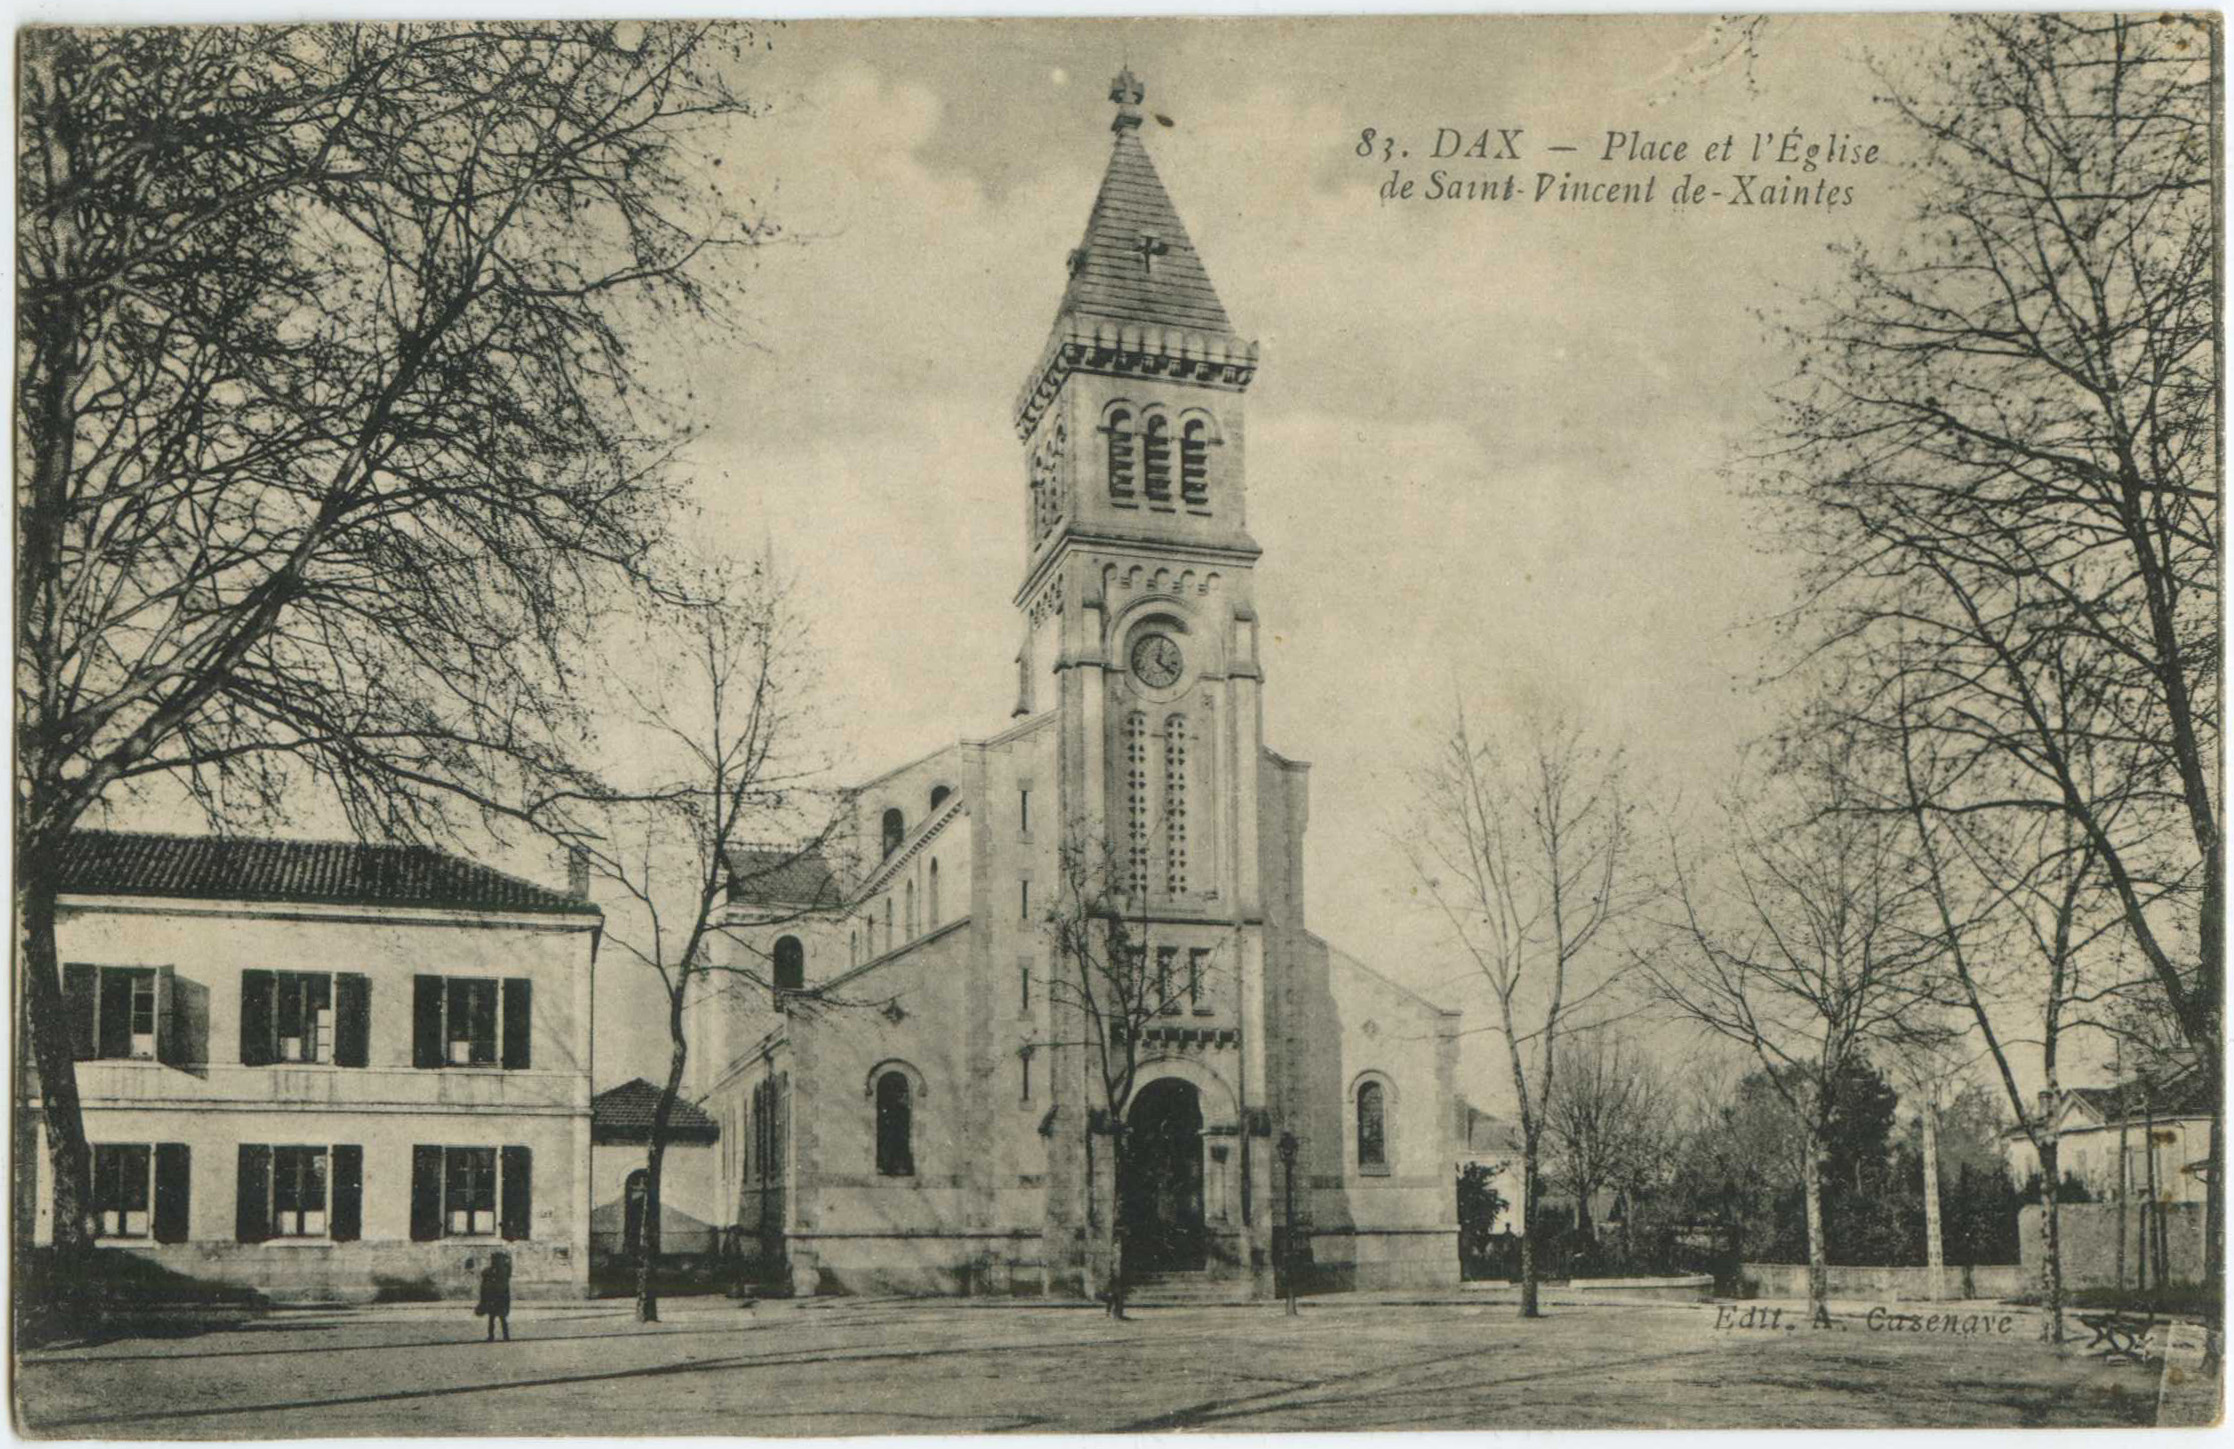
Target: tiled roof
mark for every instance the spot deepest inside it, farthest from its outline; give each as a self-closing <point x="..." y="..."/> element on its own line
<point x="1112" y="277"/>
<point x="2184" y="1096"/>
<point x="776" y="875"/>
<point x="322" y="872"/>
<point x="624" y="1114"/>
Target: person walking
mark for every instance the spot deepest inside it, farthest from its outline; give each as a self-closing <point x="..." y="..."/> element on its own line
<point x="496" y="1295"/>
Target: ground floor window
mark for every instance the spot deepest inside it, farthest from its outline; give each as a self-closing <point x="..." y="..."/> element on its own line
<point x="471" y="1192"/>
<point x="123" y="1191"/>
<point x="298" y="1192"/>
<point x="295" y="1191"/>
<point x="140" y="1190"/>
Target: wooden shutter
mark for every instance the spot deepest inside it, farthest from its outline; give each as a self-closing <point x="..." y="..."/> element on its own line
<point x="116" y="1015"/>
<point x="166" y="1015"/>
<point x="347" y="1221"/>
<point x="256" y="988"/>
<point x="81" y="986"/>
<point x="173" y="1183"/>
<point x="426" y="1021"/>
<point x="352" y="1020"/>
<point x="519" y="992"/>
<point x="426" y="1191"/>
<point x="516" y="1183"/>
<point x="252" y="1200"/>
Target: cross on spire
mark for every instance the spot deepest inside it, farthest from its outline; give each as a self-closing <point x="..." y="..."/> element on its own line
<point x="1126" y="90"/>
<point x="1151" y="247"/>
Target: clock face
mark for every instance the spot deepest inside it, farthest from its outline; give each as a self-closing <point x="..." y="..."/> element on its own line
<point x="1156" y="660"/>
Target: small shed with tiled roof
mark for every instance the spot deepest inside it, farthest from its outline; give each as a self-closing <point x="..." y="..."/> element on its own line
<point x="620" y="1132"/>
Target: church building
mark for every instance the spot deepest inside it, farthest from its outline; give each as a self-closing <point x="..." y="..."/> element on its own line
<point x="917" y="1105"/>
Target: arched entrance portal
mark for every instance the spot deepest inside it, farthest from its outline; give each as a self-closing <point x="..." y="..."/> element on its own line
<point x="1160" y="1200"/>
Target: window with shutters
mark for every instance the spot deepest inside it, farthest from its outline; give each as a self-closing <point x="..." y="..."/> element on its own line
<point x="119" y="1013"/>
<point x="468" y="1191"/>
<point x="472" y="1021"/>
<point x="1198" y="960"/>
<point x="298" y="1192"/>
<point x="1167" y="980"/>
<point x="123" y="1191"/>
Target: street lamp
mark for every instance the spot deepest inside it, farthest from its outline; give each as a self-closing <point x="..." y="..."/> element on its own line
<point x="1287" y="1249"/>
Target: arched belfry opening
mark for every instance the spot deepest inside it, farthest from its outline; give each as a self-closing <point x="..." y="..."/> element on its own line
<point x="1160" y="1196"/>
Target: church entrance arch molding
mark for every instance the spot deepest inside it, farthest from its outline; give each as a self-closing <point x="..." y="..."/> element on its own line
<point x="1162" y="1196"/>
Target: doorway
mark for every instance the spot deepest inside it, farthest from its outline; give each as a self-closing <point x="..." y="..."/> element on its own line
<point x="1160" y="1200"/>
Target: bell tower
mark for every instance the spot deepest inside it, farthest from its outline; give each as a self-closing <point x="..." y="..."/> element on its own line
<point x="1139" y="630"/>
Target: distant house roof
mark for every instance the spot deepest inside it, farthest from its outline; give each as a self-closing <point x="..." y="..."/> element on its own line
<point x="319" y="872"/>
<point x="1488" y="1136"/>
<point x="624" y="1114"/>
<point x="782" y="876"/>
<point x="2184" y="1096"/>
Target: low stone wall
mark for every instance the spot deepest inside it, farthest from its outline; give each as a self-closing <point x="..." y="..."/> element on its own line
<point x="1903" y="1284"/>
<point x="313" y="1272"/>
<point x="2088" y="1232"/>
<point x="1694" y="1288"/>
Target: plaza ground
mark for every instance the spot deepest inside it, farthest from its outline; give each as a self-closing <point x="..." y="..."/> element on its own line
<point x="841" y="1367"/>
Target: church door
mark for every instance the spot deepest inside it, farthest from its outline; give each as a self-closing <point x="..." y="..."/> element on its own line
<point x="1161" y="1198"/>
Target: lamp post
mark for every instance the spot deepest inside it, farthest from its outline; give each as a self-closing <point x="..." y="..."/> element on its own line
<point x="1287" y="1235"/>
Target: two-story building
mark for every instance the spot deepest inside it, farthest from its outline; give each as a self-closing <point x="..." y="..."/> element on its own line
<point x="329" y="1070"/>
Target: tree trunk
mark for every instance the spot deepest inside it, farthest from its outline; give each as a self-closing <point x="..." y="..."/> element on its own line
<point x="1935" y="1255"/>
<point x="655" y="1159"/>
<point x="1818" y="1268"/>
<point x="48" y="1015"/>
<point x="2051" y="1228"/>
<point x="1528" y="1308"/>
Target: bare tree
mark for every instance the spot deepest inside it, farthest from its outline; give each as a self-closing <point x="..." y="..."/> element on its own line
<point x="1806" y="946"/>
<point x="1604" y="1120"/>
<point x="332" y="419"/>
<point x="2003" y="453"/>
<point x="1524" y="844"/>
<point x="1109" y="983"/>
<point x="727" y="750"/>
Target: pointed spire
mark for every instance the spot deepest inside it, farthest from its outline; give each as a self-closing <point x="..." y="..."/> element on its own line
<point x="1137" y="263"/>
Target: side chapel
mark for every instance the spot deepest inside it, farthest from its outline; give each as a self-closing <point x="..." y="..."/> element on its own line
<point x="941" y="1144"/>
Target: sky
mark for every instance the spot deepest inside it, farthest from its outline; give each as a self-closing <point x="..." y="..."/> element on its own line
<point x="1495" y="446"/>
<point x="1489" y="442"/>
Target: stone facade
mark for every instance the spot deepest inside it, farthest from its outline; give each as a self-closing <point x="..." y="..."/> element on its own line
<point x="923" y="1117"/>
<point x="285" y="1150"/>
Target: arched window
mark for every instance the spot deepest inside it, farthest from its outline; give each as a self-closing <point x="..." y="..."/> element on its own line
<point x="931" y="922"/>
<point x="791" y="964"/>
<point x="911" y="920"/>
<point x="1194" y="463"/>
<point x="1372" y="1128"/>
<point x="853" y="947"/>
<point x="889" y="939"/>
<point x="1175" y="805"/>
<point x="1118" y="429"/>
<point x="1156" y="448"/>
<point x="938" y="795"/>
<point x="1136" y="799"/>
<point x="895" y="829"/>
<point x="895" y="1126"/>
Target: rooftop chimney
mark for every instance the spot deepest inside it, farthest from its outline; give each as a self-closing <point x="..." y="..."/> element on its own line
<point x="578" y="873"/>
